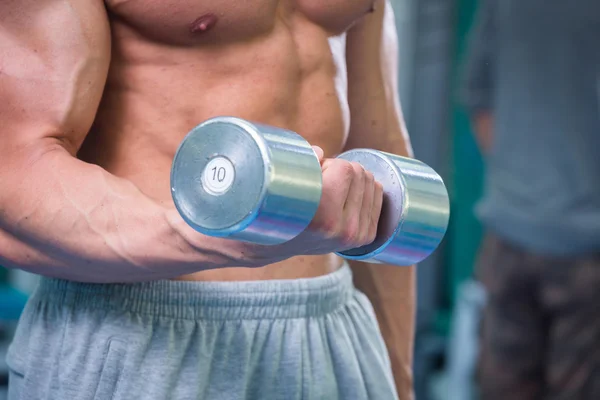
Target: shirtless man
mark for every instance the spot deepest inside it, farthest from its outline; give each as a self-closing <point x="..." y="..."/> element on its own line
<point x="134" y="304"/>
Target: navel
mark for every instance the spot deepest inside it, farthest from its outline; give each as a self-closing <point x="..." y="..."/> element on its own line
<point x="203" y="23"/>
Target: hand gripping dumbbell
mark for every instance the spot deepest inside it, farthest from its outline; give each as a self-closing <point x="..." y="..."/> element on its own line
<point x="251" y="182"/>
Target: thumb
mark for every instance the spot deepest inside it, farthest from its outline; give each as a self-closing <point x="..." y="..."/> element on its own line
<point x="319" y="152"/>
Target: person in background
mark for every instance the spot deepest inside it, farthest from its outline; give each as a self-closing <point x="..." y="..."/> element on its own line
<point x="532" y="82"/>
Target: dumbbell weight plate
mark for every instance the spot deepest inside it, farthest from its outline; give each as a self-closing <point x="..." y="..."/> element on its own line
<point x="246" y="181"/>
<point x="415" y="210"/>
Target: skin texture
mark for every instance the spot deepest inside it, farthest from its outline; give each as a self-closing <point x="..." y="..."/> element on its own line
<point x="97" y="97"/>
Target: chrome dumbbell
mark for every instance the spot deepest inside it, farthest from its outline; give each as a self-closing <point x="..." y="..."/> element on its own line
<point x="246" y="181"/>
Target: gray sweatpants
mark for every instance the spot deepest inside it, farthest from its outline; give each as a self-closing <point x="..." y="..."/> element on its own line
<point x="287" y="339"/>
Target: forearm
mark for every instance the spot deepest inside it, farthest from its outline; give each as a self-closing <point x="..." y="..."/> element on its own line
<point x="391" y="291"/>
<point x="65" y="218"/>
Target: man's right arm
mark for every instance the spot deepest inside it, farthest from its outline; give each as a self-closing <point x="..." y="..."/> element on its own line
<point x="478" y="79"/>
<point x="60" y="216"/>
<point x="65" y="218"/>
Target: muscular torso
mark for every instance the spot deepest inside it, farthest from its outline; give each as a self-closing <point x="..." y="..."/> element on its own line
<point x="175" y="64"/>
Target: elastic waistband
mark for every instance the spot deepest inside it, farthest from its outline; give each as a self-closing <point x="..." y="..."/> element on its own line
<point x="294" y="298"/>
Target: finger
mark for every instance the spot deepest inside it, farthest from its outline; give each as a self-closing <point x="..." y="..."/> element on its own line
<point x="353" y="208"/>
<point x="367" y="206"/>
<point x="337" y="178"/>
<point x="376" y="209"/>
<point x="338" y="175"/>
<point x="355" y="196"/>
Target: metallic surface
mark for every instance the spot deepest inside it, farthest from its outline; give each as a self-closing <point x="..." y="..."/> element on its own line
<point x="275" y="192"/>
<point x="415" y="212"/>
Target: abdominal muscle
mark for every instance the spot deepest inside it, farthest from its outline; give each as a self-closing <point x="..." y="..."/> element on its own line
<point x="155" y="95"/>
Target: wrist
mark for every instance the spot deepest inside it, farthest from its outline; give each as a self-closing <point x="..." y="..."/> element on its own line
<point x="216" y="252"/>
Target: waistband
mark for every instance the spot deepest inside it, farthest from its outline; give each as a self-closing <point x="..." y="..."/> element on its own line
<point x="294" y="298"/>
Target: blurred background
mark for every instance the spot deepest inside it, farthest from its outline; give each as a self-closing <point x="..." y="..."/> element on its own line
<point x="434" y="38"/>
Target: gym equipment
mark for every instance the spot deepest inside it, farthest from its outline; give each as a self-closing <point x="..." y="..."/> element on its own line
<point x="415" y="209"/>
<point x="246" y="181"/>
<point x="261" y="184"/>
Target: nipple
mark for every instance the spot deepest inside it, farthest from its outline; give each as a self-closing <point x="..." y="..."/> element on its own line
<point x="203" y="23"/>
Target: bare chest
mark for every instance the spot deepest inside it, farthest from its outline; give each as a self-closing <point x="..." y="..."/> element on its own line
<point x="189" y="22"/>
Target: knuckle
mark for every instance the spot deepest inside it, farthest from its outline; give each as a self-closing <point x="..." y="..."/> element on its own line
<point x="358" y="171"/>
<point x="357" y="167"/>
<point x="349" y="236"/>
<point x="348" y="239"/>
<point x="363" y="236"/>
<point x="329" y="226"/>
<point x="347" y="169"/>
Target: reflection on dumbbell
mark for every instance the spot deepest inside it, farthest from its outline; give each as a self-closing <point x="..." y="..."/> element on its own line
<point x="246" y="181"/>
